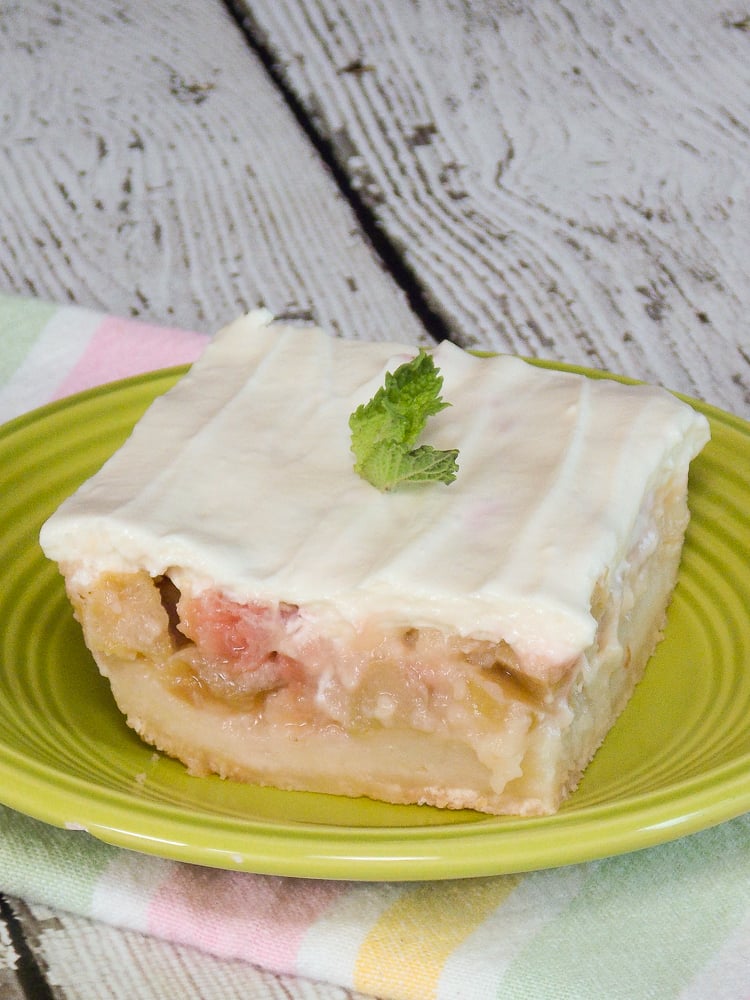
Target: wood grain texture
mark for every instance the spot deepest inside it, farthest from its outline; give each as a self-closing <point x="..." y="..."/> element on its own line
<point x="567" y="180"/>
<point x="10" y="975"/>
<point x="83" y="959"/>
<point x="150" y="168"/>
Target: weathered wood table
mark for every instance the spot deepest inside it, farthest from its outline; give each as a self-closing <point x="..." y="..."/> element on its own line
<point x="554" y="180"/>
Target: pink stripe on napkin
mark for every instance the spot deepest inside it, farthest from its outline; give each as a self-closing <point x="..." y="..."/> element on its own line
<point x="121" y="347"/>
<point x="261" y="919"/>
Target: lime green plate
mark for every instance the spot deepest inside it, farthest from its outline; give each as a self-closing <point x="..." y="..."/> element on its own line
<point x="678" y="759"/>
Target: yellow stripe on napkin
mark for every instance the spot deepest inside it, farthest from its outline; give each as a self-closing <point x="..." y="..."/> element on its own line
<point x="405" y="951"/>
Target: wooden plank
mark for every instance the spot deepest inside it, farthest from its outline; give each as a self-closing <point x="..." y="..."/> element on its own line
<point x="22" y="972"/>
<point x="10" y="976"/>
<point x="566" y="181"/>
<point x="83" y="959"/>
<point x="150" y="168"/>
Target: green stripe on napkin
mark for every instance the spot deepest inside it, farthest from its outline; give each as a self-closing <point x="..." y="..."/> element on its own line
<point x="21" y="322"/>
<point x="48" y="864"/>
<point x="642" y="924"/>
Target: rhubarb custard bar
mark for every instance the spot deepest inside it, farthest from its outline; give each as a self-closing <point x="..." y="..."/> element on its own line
<point x="264" y="612"/>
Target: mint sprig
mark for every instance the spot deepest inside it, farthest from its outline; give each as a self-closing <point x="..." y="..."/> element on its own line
<point x="385" y="430"/>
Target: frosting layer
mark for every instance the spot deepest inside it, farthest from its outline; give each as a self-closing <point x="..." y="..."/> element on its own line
<point x="241" y="478"/>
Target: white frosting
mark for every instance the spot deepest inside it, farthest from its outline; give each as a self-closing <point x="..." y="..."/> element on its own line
<point x="241" y="478"/>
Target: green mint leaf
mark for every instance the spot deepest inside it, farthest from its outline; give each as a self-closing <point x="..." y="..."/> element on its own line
<point x="385" y="430"/>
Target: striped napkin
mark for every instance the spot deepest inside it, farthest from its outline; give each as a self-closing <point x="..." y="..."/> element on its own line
<point x="666" y="922"/>
<point x="47" y="351"/>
